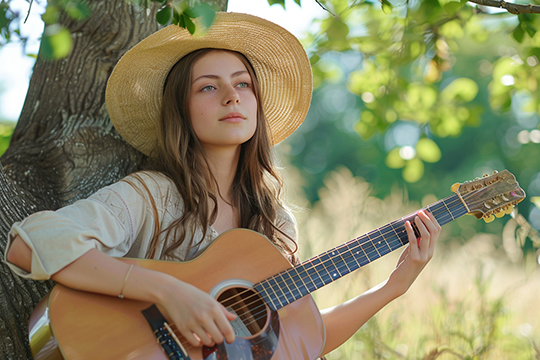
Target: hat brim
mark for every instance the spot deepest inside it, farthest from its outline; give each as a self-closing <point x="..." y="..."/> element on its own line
<point x="135" y="88"/>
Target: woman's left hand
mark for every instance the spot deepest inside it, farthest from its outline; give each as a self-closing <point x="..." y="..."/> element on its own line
<point x="417" y="254"/>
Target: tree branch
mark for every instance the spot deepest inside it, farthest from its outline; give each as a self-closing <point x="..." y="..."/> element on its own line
<point x="510" y="7"/>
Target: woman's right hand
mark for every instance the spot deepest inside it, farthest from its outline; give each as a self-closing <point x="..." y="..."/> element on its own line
<point x="199" y="317"/>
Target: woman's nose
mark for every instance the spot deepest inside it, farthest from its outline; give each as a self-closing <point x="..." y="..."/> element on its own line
<point x="231" y="96"/>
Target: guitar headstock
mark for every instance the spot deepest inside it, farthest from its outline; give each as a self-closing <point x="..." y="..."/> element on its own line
<point x="490" y="196"/>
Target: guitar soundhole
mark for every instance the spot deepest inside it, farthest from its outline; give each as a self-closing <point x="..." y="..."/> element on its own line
<point x="250" y="309"/>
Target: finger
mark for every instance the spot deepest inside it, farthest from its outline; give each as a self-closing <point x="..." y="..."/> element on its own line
<point x="189" y="336"/>
<point x="424" y="233"/>
<point x="429" y="220"/>
<point x="433" y="227"/>
<point x="203" y="336"/>
<point x="432" y="217"/>
<point x="225" y="327"/>
<point x="413" y="244"/>
<point x="214" y="332"/>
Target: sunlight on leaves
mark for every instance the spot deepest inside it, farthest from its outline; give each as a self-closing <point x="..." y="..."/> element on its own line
<point x="56" y="42"/>
<point x="413" y="171"/>
<point x="428" y="151"/>
<point x="386" y="6"/>
<point x="462" y="89"/>
<point x="452" y="7"/>
<point x="394" y="160"/>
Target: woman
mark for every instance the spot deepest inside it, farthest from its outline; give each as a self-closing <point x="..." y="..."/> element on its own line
<point x="206" y="110"/>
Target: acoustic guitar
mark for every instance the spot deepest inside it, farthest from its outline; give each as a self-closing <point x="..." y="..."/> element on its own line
<point x="276" y="316"/>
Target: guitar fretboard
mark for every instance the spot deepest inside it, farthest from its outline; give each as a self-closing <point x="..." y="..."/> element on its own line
<point x="299" y="281"/>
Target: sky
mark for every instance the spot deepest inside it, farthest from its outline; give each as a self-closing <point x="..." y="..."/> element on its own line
<point x="16" y="65"/>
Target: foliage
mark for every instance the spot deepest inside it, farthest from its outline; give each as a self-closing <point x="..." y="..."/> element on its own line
<point x="6" y="130"/>
<point x="56" y="39"/>
<point x="409" y="52"/>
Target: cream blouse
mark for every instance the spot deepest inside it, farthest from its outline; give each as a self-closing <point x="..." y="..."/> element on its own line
<point x="118" y="220"/>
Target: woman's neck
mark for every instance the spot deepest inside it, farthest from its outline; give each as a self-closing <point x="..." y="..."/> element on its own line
<point x="223" y="164"/>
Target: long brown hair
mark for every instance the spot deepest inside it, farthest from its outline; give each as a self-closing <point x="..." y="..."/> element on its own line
<point x="256" y="190"/>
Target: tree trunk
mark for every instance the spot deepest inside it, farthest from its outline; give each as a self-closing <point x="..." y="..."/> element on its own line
<point x="64" y="147"/>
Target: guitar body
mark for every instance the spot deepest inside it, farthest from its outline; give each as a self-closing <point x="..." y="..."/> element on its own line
<point x="70" y="324"/>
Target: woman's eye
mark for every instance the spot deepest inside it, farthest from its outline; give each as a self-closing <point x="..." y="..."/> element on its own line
<point x="243" y="84"/>
<point x="208" y="88"/>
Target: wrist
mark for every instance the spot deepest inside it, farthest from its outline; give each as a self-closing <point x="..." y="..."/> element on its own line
<point x="392" y="290"/>
<point x="160" y="290"/>
<point x="149" y="285"/>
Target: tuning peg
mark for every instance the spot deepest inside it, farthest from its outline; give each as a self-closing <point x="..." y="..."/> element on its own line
<point x="489" y="218"/>
<point x="499" y="214"/>
<point x="485" y="175"/>
<point x="454" y="187"/>
<point x="494" y="172"/>
<point x="508" y="210"/>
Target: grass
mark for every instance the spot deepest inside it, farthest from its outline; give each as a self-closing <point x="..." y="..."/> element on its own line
<point x="470" y="302"/>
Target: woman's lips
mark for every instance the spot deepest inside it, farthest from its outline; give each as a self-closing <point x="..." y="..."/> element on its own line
<point x="233" y="117"/>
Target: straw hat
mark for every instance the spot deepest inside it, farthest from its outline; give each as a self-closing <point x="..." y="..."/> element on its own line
<point x="135" y="88"/>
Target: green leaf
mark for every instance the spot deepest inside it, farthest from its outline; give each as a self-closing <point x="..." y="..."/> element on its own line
<point x="56" y="42"/>
<point x="428" y="151"/>
<point x="518" y="34"/>
<point x="187" y="23"/>
<point x="394" y="160"/>
<point x="205" y="13"/>
<point x="6" y="16"/>
<point x="386" y="6"/>
<point x="51" y="14"/>
<point x="298" y="2"/>
<point x="530" y="29"/>
<point x="77" y="9"/>
<point x="164" y="15"/>
<point x="413" y="171"/>
<point x="337" y="32"/>
<point x="452" y="7"/>
<point x="279" y="2"/>
<point x="461" y="89"/>
<point x="421" y="97"/>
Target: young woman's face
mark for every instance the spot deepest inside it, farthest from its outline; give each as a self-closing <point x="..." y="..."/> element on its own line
<point x="222" y="103"/>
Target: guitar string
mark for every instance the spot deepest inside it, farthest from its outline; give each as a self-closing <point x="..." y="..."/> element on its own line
<point x="377" y="238"/>
<point x="371" y="242"/>
<point x="337" y="267"/>
<point x="262" y="307"/>
<point x="371" y="252"/>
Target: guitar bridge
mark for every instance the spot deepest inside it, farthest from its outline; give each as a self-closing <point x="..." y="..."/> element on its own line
<point x="164" y="334"/>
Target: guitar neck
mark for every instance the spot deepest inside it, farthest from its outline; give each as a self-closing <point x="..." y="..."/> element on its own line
<point x="301" y="280"/>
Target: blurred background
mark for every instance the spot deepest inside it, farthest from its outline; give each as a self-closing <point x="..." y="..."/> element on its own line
<point x="410" y="97"/>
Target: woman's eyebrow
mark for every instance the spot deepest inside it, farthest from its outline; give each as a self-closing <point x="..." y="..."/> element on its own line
<point x="212" y="76"/>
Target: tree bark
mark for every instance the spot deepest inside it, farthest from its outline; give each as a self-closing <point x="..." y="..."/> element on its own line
<point x="64" y="147"/>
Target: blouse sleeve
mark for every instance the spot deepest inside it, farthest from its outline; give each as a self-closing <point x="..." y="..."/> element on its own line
<point x="110" y="220"/>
